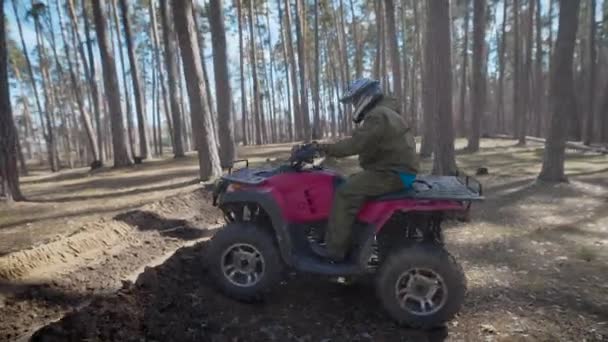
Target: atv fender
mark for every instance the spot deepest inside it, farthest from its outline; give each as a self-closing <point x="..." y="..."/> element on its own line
<point x="266" y="202"/>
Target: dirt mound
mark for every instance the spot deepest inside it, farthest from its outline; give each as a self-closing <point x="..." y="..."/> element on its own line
<point x="95" y="261"/>
<point x="176" y="302"/>
<point x="96" y="237"/>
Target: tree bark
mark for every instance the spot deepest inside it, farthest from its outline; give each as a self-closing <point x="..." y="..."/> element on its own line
<point x="589" y="126"/>
<point x="518" y="111"/>
<point x="389" y="10"/>
<point x="301" y="38"/>
<point x="288" y="76"/>
<point x="297" y="114"/>
<point x="539" y="88"/>
<point x="438" y="85"/>
<point x="121" y="156"/>
<point x="209" y="161"/>
<point x="137" y="86"/>
<point x="241" y="70"/>
<point x="222" y="82"/>
<point x="501" y="72"/>
<point x="95" y="93"/>
<point x="257" y="106"/>
<point x="463" y="73"/>
<point x="561" y="92"/>
<point x="9" y="174"/>
<point x="317" y="132"/>
<point x="169" y="39"/>
<point x="84" y="114"/>
<point x="478" y="101"/>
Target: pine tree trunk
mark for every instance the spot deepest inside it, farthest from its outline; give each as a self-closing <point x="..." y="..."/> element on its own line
<point x="561" y="92"/>
<point x="288" y="76"/>
<point x="297" y="114"/>
<point x="49" y="102"/>
<point x="463" y="73"/>
<point x="209" y="161"/>
<point x="389" y="10"/>
<point x="123" y="74"/>
<point x="95" y="92"/>
<point x="526" y="76"/>
<point x="501" y="72"/>
<point x="590" y="120"/>
<point x="169" y="39"/>
<point x="438" y="85"/>
<point x="257" y="106"/>
<point x="121" y="156"/>
<point x="242" y="72"/>
<point x="539" y="88"/>
<point x="222" y="82"/>
<point x="84" y="114"/>
<point x="518" y="111"/>
<point x="302" y="61"/>
<point x="478" y="101"/>
<point x="317" y="132"/>
<point x="137" y="86"/>
<point x="9" y="174"/>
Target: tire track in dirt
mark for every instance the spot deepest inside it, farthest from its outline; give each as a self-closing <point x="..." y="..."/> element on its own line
<point x="40" y="285"/>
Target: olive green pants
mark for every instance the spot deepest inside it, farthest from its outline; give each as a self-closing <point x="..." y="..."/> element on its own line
<point x="349" y="198"/>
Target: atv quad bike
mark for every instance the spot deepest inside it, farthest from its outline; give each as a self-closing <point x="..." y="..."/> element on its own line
<point x="274" y="215"/>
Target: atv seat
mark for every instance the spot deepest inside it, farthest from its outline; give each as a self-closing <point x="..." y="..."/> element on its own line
<point x="438" y="188"/>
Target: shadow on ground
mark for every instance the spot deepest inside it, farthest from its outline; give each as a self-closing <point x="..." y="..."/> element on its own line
<point x="176" y="228"/>
<point x="176" y="302"/>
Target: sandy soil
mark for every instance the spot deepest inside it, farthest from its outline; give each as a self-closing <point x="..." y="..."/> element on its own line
<point x="535" y="257"/>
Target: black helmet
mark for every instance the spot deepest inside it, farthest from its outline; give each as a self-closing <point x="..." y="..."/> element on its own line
<point x="362" y="93"/>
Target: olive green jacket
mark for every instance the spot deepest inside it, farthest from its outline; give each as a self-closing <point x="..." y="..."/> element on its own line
<point x="384" y="142"/>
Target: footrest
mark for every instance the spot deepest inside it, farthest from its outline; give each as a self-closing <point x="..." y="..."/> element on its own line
<point x="314" y="264"/>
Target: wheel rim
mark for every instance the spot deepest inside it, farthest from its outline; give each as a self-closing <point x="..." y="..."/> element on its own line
<point x="243" y="265"/>
<point x="421" y="291"/>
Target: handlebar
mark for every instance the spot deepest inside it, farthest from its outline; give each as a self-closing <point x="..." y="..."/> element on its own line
<point x="302" y="154"/>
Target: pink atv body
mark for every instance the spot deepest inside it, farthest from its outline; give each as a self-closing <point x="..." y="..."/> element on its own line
<point x="274" y="214"/>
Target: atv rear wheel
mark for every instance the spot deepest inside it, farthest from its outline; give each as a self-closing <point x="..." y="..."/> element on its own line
<point x="421" y="286"/>
<point x="244" y="261"/>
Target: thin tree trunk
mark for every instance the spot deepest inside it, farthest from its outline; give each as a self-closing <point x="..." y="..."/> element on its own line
<point x="479" y="73"/>
<point x="95" y="93"/>
<point x="301" y="37"/>
<point x="254" y="72"/>
<point x="241" y="71"/>
<point x="501" y="71"/>
<point x="209" y="161"/>
<point x="84" y="114"/>
<point x="297" y="113"/>
<point x="526" y="76"/>
<point x="561" y="92"/>
<point x="48" y="97"/>
<point x="222" y="82"/>
<point x="317" y="132"/>
<point x="289" y="99"/>
<point x="438" y="85"/>
<point x="518" y="114"/>
<point x="125" y="84"/>
<point x="137" y="86"/>
<point x="463" y="73"/>
<point x="539" y="89"/>
<point x="590" y="122"/>
<point x="169" y="39"/>
<point x="389" y="10"/>
<point x="121" y="156"/>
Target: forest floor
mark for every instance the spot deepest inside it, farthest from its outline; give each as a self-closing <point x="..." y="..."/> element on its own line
<point x="535" y="256"/>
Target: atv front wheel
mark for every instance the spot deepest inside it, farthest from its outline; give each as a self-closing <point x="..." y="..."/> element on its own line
<point x="421" y="286"/>
<point x="244" y="261"/>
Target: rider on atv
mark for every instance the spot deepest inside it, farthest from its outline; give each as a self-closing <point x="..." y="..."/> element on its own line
<point x="387" y="154"/>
